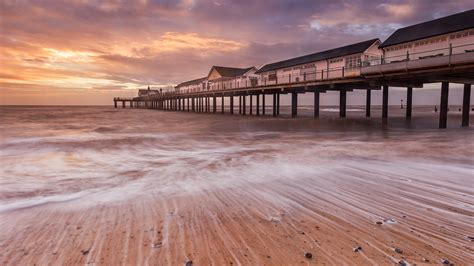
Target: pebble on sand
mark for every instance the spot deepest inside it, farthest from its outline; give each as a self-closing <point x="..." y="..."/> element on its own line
<point x="357" y="249"/>
<point x="189" y="263"/>
<point x="398" y="250"/>
<point x="379" y="222"/>
<point x="85" y="251"/>
<point x="402" y="263"/>
<point x="308" y="255"/>
<point x="445" y="262"/>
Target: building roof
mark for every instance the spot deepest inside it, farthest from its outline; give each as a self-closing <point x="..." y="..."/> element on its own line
<point x="444" y="25"/>
<point x="230" y="72"/>
<point x="147" y="90"/>
<point x="191" y="82"/>
<point x="328" y="54"/>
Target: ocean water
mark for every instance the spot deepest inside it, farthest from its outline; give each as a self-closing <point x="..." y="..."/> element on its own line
<point x="104" y="155"/>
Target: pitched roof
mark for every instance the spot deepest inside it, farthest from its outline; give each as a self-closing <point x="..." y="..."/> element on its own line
<point x="191" y="82"/>
<point x="444" y="25"/>
<point x="231" y="71"/>
<point x="336" y="52"/>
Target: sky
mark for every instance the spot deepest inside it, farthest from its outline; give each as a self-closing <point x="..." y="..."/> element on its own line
<point x="86" y="52"/>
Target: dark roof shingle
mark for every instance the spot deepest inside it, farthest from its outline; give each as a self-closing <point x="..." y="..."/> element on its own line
<point x="190" y="82"/>
<point x="336" y="52"/>
<point x="444" y="25"/>
<point x="231" y="71"/>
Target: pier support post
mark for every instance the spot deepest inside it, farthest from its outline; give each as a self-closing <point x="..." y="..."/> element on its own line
<point x="240" y="104"/>
<point x="263" y="103"/>
<point x="179" y="104"/>
<point x="115" y="104"/>
<point x="317" y="95"/>
<point x="244" y="107"/>
<point x="222" y="104"/>
<point x="231" y="104"/>
<point x="342" y="102"/>
<point x="294" y="104"/>
<point x="123" y="104"/>
<point x="443" y="106"/>
<point x="251" y="103"/>
<point x="466" y="104"/>
<point x="257" y="107"/>
<point x="409" y="102"/>
<point x="368" y="102"/>
<point x="278" y="104"/>
<point x="274" y="104"/>
<point x="214" y="104"/>
<point x="384" y="104"/>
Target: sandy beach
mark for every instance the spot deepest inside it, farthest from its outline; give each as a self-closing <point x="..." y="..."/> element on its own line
<point x="233" y="191"/>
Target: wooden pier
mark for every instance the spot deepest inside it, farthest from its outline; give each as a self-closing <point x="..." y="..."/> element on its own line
<point x="251" y="100"/>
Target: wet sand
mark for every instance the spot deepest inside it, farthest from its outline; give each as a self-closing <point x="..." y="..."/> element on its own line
<point x="294" y="193"/>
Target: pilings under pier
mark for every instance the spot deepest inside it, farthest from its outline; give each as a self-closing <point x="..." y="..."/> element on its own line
<point x="466" y="105"/>
<point x="443" y="106"/>
<point x="208" y="102"/>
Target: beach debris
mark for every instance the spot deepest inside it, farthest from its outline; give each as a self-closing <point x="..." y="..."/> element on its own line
<point x="357" y="249"/>
<point x="470" y="238"/>
<point x="274" y="219"/>
<point x="189" y="263"/>
<point x="379" y="222"/>
<point x="157" y="245"/>
<point x="445" y="262"/>
<point x="308" y="255"/>
<point x="85" y="251"/>
<point x="426" y="260"/>
<point x="402" y="263"/>
<point x="269" y="257"/>
<point x="389" y="221"/>
<point x="398" y="250"/>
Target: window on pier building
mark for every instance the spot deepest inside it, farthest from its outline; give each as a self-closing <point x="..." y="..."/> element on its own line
<point x="272" y="76"/>
<point x="336" y="60"/>
<point x="352" y="61"/>
<point x="308" y="68"/>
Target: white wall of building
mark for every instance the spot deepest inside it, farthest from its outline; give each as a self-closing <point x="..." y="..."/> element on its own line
<point x="345" y="66"/>
<point x="433" y="46"/>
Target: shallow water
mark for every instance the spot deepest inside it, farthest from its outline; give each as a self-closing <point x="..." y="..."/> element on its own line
<point x="145" y="186"/>
<point x="101" y="154"/>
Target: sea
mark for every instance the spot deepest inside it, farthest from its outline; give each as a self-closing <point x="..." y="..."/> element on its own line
<point x="100" y="155"/>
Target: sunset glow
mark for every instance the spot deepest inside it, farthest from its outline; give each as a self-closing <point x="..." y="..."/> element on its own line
<point x="77" y="50"/>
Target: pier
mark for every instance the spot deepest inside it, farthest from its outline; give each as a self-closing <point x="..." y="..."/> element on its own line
<point x="438" y="51"/>
<point x="250" y="99"/>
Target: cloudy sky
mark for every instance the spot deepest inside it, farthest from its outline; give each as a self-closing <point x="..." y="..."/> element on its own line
<point x="86" y="51"/>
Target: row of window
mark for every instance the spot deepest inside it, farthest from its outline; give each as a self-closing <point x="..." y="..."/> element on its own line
<point x="432" y="40"/>
<point x="336" y="60"/>
<point x="353" y="61"/>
